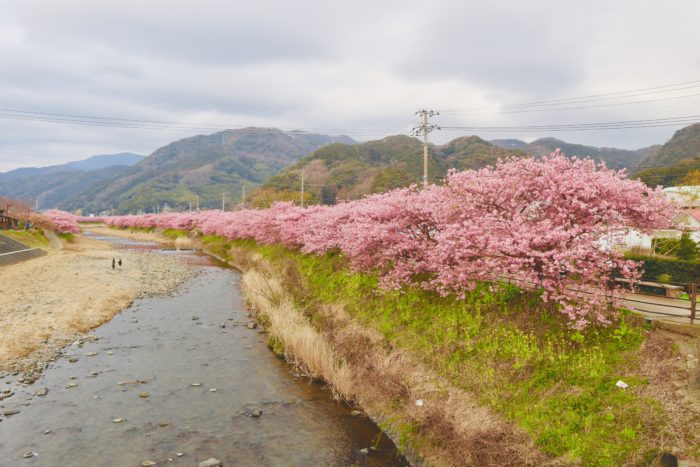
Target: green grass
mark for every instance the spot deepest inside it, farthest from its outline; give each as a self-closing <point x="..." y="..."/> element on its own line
<point x="32" y="238"/>
<point x="136" y="229"/>
<point x="174" y="234"/>
<point x="515" y="354"/>
<point x="67" y="236"/>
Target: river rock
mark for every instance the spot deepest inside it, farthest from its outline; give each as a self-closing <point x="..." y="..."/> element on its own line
<point x="46" y="432"/>
<point x="355" y="413"/>
<point x="118" y="420"/>
<point x="163" y="423"/>
<point x="71" y="385"/>
<point x="28" y="455"/>
<point x="213" y="462"/>
<point x="10" y="412"/>
<point x="252" y="325"/>
<point x="73" y="359"/>
<point x="144" y="395"/>
<point x="91" y="354"/>
<point x="256" y="413"/>
<point x="196" y="384"/>
<point x="42" y="391"/>
<point x="148" y="463"/>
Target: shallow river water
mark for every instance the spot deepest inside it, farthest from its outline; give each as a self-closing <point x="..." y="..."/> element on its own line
<point x="176" y="380"/>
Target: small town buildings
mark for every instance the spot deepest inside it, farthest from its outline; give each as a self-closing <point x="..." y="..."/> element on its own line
<point x="687" y="220"/>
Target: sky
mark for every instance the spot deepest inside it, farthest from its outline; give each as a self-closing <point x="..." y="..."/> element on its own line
<point x="360" y="68"/>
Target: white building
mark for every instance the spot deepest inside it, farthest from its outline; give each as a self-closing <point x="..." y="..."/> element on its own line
<point x="688" y="199"/>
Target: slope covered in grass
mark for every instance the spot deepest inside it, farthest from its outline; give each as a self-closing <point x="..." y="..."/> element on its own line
<point x="519" y="358"/>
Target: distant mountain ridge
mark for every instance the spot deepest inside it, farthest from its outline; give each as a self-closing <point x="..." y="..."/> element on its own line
<point x="268" y="161"/>
<point x="613" y="157"/>
<point x="107" y="160"/>
<point x="53" y="184"/>
<point x="340" y="171"/>
<point x="84" y="165"/>
<point x="202" y="168"/>
<point x="676" y="163"/>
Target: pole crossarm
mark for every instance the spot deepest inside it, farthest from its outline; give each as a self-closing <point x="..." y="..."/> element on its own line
<point x="424" y="130"/>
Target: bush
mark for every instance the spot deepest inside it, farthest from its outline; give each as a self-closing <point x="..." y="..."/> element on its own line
<point x="687" y="249"/>
<point x="679" y="270"/>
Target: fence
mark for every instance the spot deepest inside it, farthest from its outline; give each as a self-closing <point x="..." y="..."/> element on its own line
<point x="673" y="299"/>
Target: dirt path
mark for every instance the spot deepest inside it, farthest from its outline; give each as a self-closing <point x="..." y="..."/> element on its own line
<point x="55" y="299"/>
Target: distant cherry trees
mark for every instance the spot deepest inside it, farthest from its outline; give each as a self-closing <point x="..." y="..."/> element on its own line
<point x="539" y="221"/>
<point x="62" y="222"/>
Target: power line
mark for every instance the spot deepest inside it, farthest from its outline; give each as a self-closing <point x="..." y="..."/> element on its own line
<point x="624" y="124"/>
<point x="47" y="117"/>
<point x="591" y="97"/>
<point x="582" y="107"/>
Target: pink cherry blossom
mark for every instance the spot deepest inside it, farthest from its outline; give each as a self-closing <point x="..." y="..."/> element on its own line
<point x="539" y="221"/>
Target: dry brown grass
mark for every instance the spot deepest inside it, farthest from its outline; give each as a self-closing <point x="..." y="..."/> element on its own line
<point x="304" y="348"/>
<point x="663" y="366"/>
<point x="362" y="367"/>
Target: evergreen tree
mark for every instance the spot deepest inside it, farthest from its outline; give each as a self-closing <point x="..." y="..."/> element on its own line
<point x="687" y="249"/>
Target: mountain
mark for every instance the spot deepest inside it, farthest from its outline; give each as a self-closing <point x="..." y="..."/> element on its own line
<point x="509" y="143"/>
<point x="677" y="162"/>
<point x="200" y="169"/>
<point x="340" y="171"/>
<point x="613" y="158"/>
<point x="104" y="161"/>
<point x="52" y="185"/>
<point x="85" y="165"/>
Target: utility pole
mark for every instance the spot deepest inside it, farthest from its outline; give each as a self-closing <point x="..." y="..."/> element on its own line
<point x="302" y="188"/>
<point x="424" y="129"/>
<point x="197" y="203"/>
<point x="190" y="206"/>
<point x="223" y="201"/>
<point x="243" y="202"/>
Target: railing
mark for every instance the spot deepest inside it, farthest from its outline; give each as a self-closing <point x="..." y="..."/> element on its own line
<point x="673" y="299"/>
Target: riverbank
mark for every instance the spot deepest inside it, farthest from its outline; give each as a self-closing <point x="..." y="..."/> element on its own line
<point x="51" y="301"/>
<point x="495" y="379"/>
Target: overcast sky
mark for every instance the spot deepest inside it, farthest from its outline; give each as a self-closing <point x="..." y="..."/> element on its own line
<point x="363" y="67"/>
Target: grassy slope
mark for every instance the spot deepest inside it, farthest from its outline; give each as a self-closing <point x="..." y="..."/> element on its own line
<point x="517" y="357"/>
<point x="31" y="238"/>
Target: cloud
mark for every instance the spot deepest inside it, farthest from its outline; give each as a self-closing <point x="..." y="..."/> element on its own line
<point x="326" y="65"/>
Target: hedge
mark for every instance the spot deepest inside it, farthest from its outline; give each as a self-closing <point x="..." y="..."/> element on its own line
<point x="680" y="270"/>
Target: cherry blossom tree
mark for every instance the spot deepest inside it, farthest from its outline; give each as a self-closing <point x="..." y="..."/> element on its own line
<point x="62" y="222"/>
<point x="539" y="222"/>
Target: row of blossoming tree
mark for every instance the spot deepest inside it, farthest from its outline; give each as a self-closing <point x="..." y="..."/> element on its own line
<point x="58" y="221"/>
<point x="62" y="222"/>
<point x="538" y="221"/>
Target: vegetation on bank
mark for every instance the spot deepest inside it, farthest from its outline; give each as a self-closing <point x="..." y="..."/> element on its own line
<point x="33" y="238"/>
<point x="517" y="356"/>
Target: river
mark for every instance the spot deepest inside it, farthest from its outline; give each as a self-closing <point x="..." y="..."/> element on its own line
<point x="177" y="380"/>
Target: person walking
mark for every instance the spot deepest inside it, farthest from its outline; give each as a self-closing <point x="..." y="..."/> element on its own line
<point x="119" y="263"/>
<point x="112" y="264"/>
